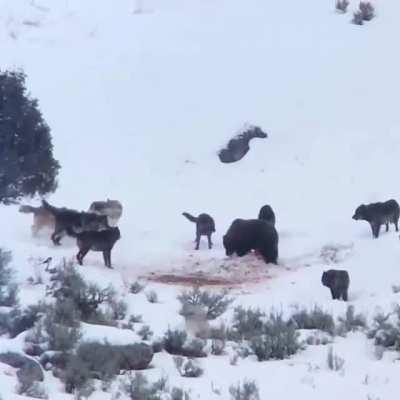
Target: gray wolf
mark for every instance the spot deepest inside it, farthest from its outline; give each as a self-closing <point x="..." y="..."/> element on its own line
<point x="205" y="226"/>
<point x="111" y="208"/>
<point x="42" y="218"/>
<point x="238" y="146"/>
<point x="102" y="241"/>
<point x="69" y="221"/>
<point x="338" y="282"/>
<point x="267" y="214"/>
<point x="252" y="234"/>
<point x="378" y="214"/>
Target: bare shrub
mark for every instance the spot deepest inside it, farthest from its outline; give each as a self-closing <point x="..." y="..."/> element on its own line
<point x="246" y="324"/>
<point x="278" y="339"/>
<point x="335" y="363"/>
<point x="217" y="347"/>
<point x="136" y="287"/>
<point x="188" y="368"/>
<point x="118" y="308"/>
<point x="357" y="18"/>
<point x="367" y="10"/>
<point x="248" y="390"/>
<point x="174" y="341"/>
<point x="341" y="5"/>
<point x="145" y="332"/>
<point x="214" y="303"/>
<point x="152" y="296"/>
<point x="386" y="329"/>
<point x="8" y="289"/>
<point x="135" y="318"/>
<point x="35" y="390"/>
<point x="316" y="318"/>
<point x="351" y="321"/>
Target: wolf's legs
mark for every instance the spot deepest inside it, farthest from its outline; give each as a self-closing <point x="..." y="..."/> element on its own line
<point x="209" y="241"/>
<point x="82" y="253"/>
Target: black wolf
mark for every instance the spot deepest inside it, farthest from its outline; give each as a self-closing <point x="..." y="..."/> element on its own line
<point x="42" y="218"/>
<point x="238" y="146"/>
<point x="252" y="234"/>
<point x="205" y="226"/>
<point x="111" y="208"/>
<point x="96" y="241"/>
<point x="338" y="281"/>
<point x="69" y="221"/>
<point x="267" y="214"/>
<point x="378" y="214"/>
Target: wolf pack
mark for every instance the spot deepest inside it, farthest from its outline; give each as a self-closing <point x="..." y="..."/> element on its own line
<point x="97" y="230"/>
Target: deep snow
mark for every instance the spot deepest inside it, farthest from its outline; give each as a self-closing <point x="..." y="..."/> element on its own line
<point x="140" y="103"/>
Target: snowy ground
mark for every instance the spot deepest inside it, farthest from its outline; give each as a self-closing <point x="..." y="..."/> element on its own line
<point x="140" y="103"/>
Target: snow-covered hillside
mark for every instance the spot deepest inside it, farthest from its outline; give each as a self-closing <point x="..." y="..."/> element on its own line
<point x="139" y="104"/>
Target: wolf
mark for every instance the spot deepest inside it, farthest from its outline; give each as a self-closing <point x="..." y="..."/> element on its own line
<point x="378" y="214"/>
<point x="111" y="208"/>
<point x="205" y="226"/>
<point x="338" y="282"/>
<point x="102" y="241"/>
<point x="267" y="214"/>
<point x="69" y="221"/>
<point x="238" y="146"/>
<point x="42" y="218"/>
<point x="252" y="234"/>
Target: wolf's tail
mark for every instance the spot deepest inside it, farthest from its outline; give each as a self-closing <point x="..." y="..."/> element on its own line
<point x="28" y="209"/>
<point x="189" y="217"/>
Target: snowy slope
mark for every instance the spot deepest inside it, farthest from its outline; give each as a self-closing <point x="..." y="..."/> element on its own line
<point x="140" y="103"/>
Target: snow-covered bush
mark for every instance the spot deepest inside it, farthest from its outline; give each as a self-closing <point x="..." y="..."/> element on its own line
<point x="334" y="362"/>
<point x="19" y="320"/>
<point x="136" y="287"/>
<point x="278" y="339"/>
<point x="145" y="332"/>
<point x="341" y="5"/>
<point x="86" y="299"/>
<point x="8" y="289"/>
<point x="351" y="321"/>
<point x="386" y="329"/>
<point x="77" y="377"/>
<point x="152" y="296"/>
<point x="188" y="368"/>
<point x="367" y="10"/>
<point x="248" y="390"/>
<point x="36" y="390"/>
<point x="246" y="324"/>
<point x="358" y="18"/>
<point x="194" y="348"/>
<point x="118" y="308"/>
<point x="316" y="318"/>
<point x="174" y="341"/>
<point x="217" y="347"/>
<point x="135" y="318"/>
<point x="137" y="387"/>
<point x="215" y="304"/>
<point x="27" y="165"/>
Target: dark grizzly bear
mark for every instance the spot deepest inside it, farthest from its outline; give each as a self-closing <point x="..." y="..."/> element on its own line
<point x="378" y="214"/>
<point x="252" y="234"/>
<point x="338" y="282"/>
<point x="205" y="226"/>
<point x="267" y="214"/>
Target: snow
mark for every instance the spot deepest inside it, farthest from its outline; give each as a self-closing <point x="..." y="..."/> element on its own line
<point x="139" y="105"/>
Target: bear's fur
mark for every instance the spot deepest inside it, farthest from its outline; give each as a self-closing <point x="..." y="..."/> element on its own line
<point x="338" y="282"/>
<point x="252" y="234"/>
